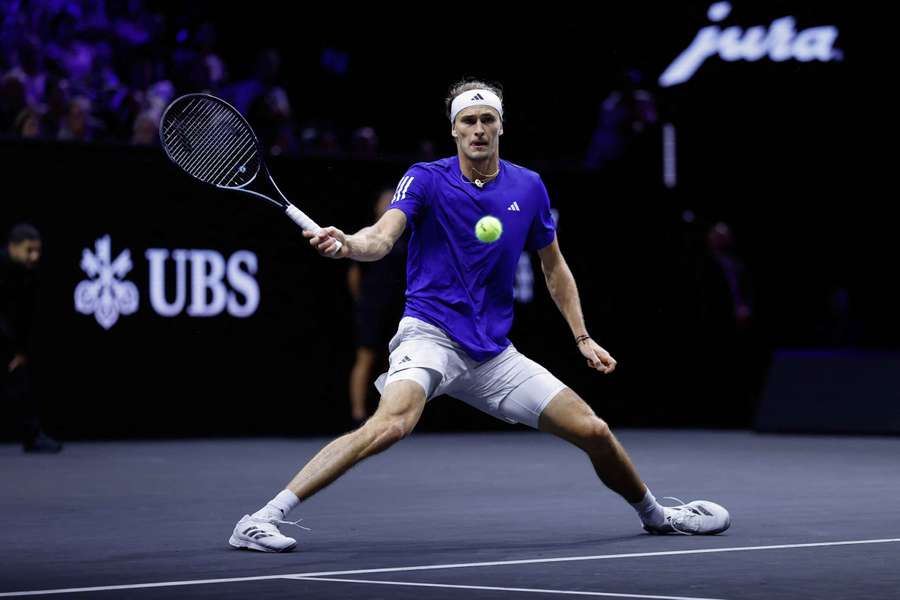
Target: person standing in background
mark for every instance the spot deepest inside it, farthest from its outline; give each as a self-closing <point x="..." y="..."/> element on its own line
<point x="378" y="290"/>
<point x="18" y="292"/>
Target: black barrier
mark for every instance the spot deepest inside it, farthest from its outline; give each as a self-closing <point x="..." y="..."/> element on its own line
<point x="240" y="328"/>
<point x="832" y="392"/>
<point x="237" y="327"/>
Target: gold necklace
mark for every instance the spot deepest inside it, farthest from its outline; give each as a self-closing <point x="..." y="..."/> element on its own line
<point x="480" y="182"/>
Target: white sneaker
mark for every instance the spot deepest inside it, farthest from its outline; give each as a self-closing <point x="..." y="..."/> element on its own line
<point x="256" y="533"/>
<point x="700" y="517"/>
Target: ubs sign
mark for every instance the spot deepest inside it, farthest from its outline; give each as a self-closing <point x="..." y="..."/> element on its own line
<point x="217" y="284"/>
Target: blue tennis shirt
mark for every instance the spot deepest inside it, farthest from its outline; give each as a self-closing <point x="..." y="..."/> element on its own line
<point x="455" y="281"/>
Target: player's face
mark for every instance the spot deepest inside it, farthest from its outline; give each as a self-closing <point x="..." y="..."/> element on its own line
<point x="26" y="252"/>
<point x="477" y="131"/>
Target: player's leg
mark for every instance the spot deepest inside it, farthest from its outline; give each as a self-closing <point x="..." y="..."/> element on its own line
<point x="540" y="400"/>
<point x="407" y="386"/>
<point x="527" y="393"/>
<point x="398" y="412"/>
<point x="570" y="418"/>
<point x="396" y="416"/>
<point x="516" y="389"/>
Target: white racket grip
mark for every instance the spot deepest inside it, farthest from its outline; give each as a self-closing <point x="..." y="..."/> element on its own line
<point x="299" y="217"/>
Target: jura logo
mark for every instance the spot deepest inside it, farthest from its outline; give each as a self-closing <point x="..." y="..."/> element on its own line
<point x="106" y="294"/>
<point x="199" y="283"/>
<point x="780" y="42"/>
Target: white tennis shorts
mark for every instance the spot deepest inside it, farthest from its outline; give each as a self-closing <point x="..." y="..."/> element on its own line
<point x="509" y="386"/>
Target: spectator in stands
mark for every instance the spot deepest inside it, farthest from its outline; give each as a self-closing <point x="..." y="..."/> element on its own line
<point x="625" y="115"/>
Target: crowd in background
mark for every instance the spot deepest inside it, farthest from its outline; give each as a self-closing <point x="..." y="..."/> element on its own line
<point x="104" y="70"/>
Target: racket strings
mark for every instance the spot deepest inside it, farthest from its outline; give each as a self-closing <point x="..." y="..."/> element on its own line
<point x="186" y="134"/>
<point x="220" y="150"/>
<point x="212" y="143"/>
<point x="193" y="134"/>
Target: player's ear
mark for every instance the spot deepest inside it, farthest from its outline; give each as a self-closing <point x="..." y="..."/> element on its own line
<point x="453" y="133"/>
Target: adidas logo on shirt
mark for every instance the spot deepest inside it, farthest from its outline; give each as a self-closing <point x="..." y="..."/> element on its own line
<point x="400" y="194"/>
<point x="405" y="359"/>
<point x="514" y="207"/>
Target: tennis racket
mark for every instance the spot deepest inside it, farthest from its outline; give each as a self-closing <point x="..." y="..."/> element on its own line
<point x="211" y="141"/>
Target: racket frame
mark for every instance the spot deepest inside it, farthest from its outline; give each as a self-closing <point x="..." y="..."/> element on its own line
<point x="292" y="212"/>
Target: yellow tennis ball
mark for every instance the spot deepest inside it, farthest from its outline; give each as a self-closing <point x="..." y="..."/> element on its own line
<point x="488" y="229"/>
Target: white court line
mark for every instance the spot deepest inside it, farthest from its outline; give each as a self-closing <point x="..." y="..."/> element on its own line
<point x="137" y="586"/>
<point x="503" y="589"/>
<point x="134" y="586"/>
<point x="596" y="557"/>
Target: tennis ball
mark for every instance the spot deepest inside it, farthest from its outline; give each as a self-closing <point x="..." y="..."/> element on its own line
<point x="488" y="229"/>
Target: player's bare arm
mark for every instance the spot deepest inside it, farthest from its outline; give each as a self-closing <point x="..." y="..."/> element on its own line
<point x="367" y="245"/>
<point x="564" y="292"/>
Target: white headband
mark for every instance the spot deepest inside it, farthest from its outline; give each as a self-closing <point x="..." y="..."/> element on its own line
<point x="475" y="98"/>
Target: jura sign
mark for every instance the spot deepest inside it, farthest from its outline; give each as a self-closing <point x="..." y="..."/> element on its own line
<point x="780" y="41"/>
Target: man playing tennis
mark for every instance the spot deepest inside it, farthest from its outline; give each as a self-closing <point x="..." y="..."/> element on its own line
<point x="459" y="308"/>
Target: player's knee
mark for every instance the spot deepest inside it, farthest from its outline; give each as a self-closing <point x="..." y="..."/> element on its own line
<point x="397" y="429"/>
<point x="388" y="431"/>
<point x="596" y="431"/>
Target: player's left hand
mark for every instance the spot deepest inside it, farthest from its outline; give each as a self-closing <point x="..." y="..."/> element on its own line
<point x="597" y="357"/>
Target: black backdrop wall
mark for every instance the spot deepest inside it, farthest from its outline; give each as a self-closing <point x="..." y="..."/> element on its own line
<point x="283" y="368"/>
<point x="771" y="147"/>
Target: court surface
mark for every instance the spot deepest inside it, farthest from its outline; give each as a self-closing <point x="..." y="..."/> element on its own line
<point x="493" y="515"/>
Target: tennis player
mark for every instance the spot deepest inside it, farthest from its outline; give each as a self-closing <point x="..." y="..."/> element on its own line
<point x="459" y="309"/>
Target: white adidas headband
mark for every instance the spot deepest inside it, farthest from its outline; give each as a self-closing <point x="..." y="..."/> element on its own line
<point x="475" y="98"/>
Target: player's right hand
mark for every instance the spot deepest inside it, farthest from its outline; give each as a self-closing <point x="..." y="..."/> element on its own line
<point x="325" y="242"/>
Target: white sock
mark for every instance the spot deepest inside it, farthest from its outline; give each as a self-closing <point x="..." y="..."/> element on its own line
<point x="279" y="506"/>
<point x="650" y="511"/>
